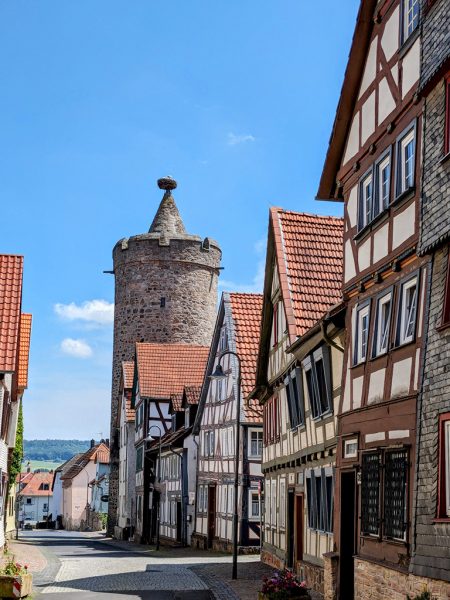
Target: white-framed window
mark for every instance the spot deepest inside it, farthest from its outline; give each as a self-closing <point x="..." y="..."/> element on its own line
<point x="406" y="152"/>
<point x="267" y="504"/>
<point x="382" y="184"/>
<point x="202" y="498"/>
<point x="254" y="505"/>
<point x="407" y="311"/>
<point x="361" y="336"/>
<point x="273" y="500"/>
<point x="444" y="465"/>
<point x="410" y="17"/>
<point x="317" y="367"/>
<point x="295" y="397"/>
<point x="365" y="199"/>
<point x="282" y="508"/>
<point x="351" y="448"/>
<point x="320" y="498"/>
<point x="255" y="442"/>
<point x="382" y="324"/>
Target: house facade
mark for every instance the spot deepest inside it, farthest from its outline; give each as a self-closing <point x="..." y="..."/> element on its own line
<point x="161" y="371"/>
<point x="76" y="488"/>
<point x="126" y="512"/>
<point x="374" y="165"/>
<point x="431" y="545"/>
<point x="237" y="330"/>
<point x="298" y="380"/>
<point x="14" y="326"/>
<point x="35" y="498"/>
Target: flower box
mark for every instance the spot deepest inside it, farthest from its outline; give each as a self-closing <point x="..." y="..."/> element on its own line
<point x="16" y="586"/>
<point x="262" y="596"/>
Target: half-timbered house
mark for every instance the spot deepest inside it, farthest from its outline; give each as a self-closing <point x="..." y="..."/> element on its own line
<point x="126" y="514"/>
<point x="161" y="370"/>
<point x="237" y="330"/>
<point x="373" y="165"/>
<point x="298" y="381"/>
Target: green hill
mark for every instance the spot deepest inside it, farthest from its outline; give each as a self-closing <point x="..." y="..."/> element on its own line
<point x="53" y="450"/>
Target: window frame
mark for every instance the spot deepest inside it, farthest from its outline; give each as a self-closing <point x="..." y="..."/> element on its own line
<point x="317" y="408"/>
<point x="319" y="509"/>
<point x="443" y="496"/>
<point x="404" y="35"/>
<point x="377" y="200"/>
<point x="445" y="321"/>
<point x="401" y="339"/>
<point x="400" y="190"/>
<point x="364" y="216"/>
<point x="251" y="493"/>
<point x="259" y="441"/>
<point x="295" y="397"/>
<point x="447" y="115"/>
<point x="387" y="295"/>
<point x="347" y="443"/>
<point x="359" y="308"/>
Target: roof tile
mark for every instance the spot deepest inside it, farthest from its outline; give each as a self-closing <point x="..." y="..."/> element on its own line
<point x="24" y="350"/>
<point x="11" y="274"/>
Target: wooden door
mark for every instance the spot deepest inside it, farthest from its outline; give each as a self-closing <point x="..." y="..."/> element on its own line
<point x="211" y="514"/>
<point x="347" y="535"/>
<point x="299" y="523"/>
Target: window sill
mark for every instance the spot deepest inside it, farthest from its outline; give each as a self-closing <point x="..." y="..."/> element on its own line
<point x="403" y="197"/>
<point x="441" y="520"/>
<point x="364" y="232"/>
<point x="404" y="48"/>
<point x="443" y="326"/>
<point x="359" y="364"/>
<point x="377" y="356"/>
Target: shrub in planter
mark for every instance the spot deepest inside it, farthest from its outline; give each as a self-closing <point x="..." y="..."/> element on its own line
<point x="15" y="580"/>
<point x="283" y="585"/>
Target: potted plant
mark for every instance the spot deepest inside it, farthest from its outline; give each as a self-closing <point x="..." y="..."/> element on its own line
<point x="283" y="585"/>
<point x="15" y="580"/>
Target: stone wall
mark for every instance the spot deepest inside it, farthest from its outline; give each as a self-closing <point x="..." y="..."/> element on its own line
<point x="377" y="582"/>
<point x="435" y="39"/>
<point x="165" y="292"/>
<point x="330" y="575"/>
<point x="312" y="574"/>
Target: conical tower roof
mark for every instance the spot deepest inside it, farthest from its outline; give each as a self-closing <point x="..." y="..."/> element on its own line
<point x="167" y="220"/>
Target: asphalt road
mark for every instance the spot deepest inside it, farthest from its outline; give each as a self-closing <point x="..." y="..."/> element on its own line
<point x="85" y="569"/>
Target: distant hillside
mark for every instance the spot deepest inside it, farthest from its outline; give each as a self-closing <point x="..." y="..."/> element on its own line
<point x="55" y="450"/>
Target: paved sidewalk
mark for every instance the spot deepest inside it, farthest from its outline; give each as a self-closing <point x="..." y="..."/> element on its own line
<point x="26" y="553"/>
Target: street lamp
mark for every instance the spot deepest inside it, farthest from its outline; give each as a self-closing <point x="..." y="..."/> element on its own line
<point x="218" y="375"/>
<point x="158" y="510"/>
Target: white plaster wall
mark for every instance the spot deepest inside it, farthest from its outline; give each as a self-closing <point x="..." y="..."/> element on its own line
<point x="364" y="254"/>
<point x="404" y="225"/>
<point x="370" y="68"/>
<point x="352" y="206"/>
<point x="386" y="102"/>
<point x="349" y="263"/>
<point x="380" y="243"/>
<point x="389" y="41"/>
<point x="401" y="376"/>
<point x="353" y="139"/>
<point x="357" y="391"/>
<point x="368" y="118"/>
<point x="376" y="385"/>
<point x="411" y="67"/>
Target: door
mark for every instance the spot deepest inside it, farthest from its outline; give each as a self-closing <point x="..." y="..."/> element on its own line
<point x="211" y="514"/>
<point x="179" y="523"/>
<point x="347" y="535"/>
<point x="299" y="521"/>
<point x="291" y="528"/>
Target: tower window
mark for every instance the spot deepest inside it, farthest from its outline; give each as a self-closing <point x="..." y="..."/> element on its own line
<point x="163" y="303"/>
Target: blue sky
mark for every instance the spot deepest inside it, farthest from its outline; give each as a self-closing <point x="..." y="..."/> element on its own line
<point x="235" y="99"/>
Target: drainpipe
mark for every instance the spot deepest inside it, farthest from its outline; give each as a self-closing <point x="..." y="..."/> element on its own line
<point x="327" y="338"/>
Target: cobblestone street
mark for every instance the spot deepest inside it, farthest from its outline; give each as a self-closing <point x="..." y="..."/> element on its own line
<point x="88" y="566"/>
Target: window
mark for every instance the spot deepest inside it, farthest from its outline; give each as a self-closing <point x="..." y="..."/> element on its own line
<point x="361" y="333"/>
<point x="382" y="324"/>
<point x="317" y="368"/>
<point x="256" y="442"/>
<point x="295" y="397"/>
<point x="410" y="17"/>
<point x="370" y="493"/>
<point x="365" y="200"/>
<point x="390" y="476"/>
<point x="320" y="498"/>
<point x="282" y="503"/>
<point x="273" y="510"/>
<point x="223" y="340"/>
<point x="276" y="324"/>
<point x="29" y="501"/>
<point x="383" y="185"/>
<point x="202" y="498"/>
<point x="406" y="161"/>
<point x="254" y="512"/>
<point x="271" y="421"/>
<point x="395" y="497"/>
<point x="209" y="443"/>
<point x="407" y="311"/>
<point x="45" y="507"/>
<point x="139" y="458"/>
<point x="351" y="448"/>
<point x="443" y="509"/>
<point x="446" y="310"/>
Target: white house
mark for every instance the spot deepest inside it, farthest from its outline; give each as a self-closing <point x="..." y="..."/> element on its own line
<point x="35" y="497"/>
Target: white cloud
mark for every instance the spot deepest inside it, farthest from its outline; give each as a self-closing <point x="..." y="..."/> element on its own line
<point x="77" y="348"/>
<point x="234" y="139"/>
<point x="95" y="312"/>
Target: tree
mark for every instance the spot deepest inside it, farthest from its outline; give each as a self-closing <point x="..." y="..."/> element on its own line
<point x="17" y="453"/>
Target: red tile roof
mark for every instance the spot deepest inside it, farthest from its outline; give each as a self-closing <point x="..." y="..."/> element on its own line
<point x="99" y="453"/>
<point x="176" y="400"/>
<point x="128" y="374"/>
<point x="24" y="350"/>
<point x="246" y="310"/>
<point x="309" y="251"/>
<point x="11" y="273"/>
<point x="35" y="484"/>
<point x="192" y="394"/>
<point x="166" y="369"/>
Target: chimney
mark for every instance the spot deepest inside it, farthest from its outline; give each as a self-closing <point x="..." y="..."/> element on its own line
<point x="92" y="443"/>
<point x="107" y="442"/>
<point x="28" y="468"/>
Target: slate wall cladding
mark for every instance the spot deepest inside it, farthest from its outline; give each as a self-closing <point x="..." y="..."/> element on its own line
<point x="431" y="552"/>
<point x="165" y="292"/>
<point x="435" y="38"/>
<point x="435" y="222"/>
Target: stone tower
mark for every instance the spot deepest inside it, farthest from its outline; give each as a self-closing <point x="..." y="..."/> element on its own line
<point x="165" y="292"/>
